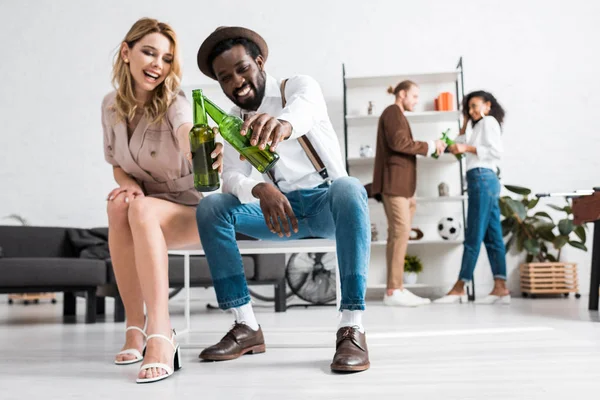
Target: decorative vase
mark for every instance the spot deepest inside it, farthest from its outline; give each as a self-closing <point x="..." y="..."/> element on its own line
<point x="374" y="233"/>
<point x="370" y="108"/>
<point x="410" y="278"/>
<point x="366" y="151"/>
<point x="444" y="189"/>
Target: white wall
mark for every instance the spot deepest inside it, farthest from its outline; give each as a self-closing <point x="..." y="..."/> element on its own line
<point x="539" y="58"/>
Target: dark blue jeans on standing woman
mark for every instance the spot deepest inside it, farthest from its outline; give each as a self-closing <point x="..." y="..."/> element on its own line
<point x="483" y="224"/>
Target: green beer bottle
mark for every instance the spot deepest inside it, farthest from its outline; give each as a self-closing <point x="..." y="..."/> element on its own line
<point x="202" y="144"/>
<point x="449" y="142"/>
<point x="230" y="126"/>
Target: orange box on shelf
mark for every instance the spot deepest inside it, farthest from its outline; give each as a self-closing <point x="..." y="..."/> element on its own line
<point x="444" y="102"/>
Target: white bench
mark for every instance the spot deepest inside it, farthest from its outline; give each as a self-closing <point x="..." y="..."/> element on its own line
<point x="248" y="247"/>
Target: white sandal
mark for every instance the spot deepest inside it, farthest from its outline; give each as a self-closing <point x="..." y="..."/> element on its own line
<point x="493" y="299"/>
<point x="452" y="299"/>
<point x="169" y="371"/>
<point x="134" y="352"/>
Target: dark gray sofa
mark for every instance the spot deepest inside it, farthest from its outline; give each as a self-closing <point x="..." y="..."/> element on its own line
<point x="43" y="259"/>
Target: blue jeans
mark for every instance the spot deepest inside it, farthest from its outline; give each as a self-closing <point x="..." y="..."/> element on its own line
<point x="337" y="211"/>
<point x="483" y="224"/>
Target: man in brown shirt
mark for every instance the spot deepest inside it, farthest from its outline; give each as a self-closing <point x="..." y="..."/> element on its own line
<point x="395" y="180"/>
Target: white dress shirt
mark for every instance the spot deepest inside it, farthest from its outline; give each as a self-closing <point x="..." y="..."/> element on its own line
<point x="486" y="137"/>
<point x="306" y="111"/>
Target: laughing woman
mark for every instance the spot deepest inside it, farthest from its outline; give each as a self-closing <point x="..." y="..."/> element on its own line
<point x="481" y="140"/>
<point x="146" y="122"/>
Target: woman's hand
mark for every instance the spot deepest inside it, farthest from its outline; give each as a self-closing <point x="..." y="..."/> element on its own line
<point x="458" y="148"/>
<point x="217" y="153"/>
<point x="131" y="191"/>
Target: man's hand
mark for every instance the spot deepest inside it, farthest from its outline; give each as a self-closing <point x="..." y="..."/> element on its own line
<point x="440" y="146"/>
<point x="276" y="209"/>
<point x="266" y="130"/>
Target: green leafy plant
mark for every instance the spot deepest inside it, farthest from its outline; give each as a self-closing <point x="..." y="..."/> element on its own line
<point x="535" y="232"/>
<point x="412" y="264"/>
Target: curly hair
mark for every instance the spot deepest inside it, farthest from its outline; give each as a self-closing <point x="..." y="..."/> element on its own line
<point x="164" y="94"/>
<point x="496" y="109"/>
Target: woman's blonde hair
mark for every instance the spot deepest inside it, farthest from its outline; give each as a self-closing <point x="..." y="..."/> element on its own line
<point x="125" y="103"/>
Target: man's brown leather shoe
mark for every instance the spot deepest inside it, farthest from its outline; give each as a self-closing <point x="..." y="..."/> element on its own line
<point x="241" y="339"/>
<point x="351" y="354"/>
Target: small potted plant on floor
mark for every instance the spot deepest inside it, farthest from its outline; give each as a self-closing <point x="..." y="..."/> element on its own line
<point x="412" y="267"/>
<point x="536" y="234"/>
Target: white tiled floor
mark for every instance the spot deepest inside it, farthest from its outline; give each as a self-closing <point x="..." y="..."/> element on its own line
<point x="533" y="349"/>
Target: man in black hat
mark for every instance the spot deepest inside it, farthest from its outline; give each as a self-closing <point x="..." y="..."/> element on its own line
<point x="307" y="194"/>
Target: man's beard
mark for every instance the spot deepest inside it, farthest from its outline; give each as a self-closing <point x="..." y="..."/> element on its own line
<point x="254" y="102"/>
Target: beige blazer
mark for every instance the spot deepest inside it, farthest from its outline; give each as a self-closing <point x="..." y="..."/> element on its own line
<point x="152" y="157"/>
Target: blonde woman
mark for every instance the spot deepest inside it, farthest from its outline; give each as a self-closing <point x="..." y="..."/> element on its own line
<point x="146" y="122"/>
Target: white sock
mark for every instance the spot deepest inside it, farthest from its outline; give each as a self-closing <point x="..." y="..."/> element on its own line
<point x="352" y="318"/>
<point x="245" y="315"/>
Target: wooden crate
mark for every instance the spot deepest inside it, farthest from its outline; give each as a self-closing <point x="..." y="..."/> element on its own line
<point x="549" y="278"/>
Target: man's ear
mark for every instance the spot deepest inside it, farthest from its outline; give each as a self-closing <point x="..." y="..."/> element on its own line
<point x="260" y="61"/>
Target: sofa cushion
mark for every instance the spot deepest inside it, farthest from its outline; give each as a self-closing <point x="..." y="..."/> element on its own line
<point x="35" y="241"/>
<point x="51" y="272"/>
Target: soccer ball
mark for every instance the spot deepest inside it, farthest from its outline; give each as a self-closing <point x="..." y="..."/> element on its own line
<point x="449" y="228"/>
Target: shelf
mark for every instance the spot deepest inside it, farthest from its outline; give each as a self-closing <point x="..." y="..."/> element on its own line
<point x="361" y="161"/>
<point x="380" y="243"/>
<point x="387" y="80"/>
<point x="444" y="158"/>
<point x="414" y="117"/>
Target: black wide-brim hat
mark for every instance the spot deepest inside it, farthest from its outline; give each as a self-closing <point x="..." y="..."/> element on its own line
<point x="224" y="33"/>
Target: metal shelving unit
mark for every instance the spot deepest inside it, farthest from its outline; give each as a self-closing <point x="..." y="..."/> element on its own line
<point x="453" y="77"/>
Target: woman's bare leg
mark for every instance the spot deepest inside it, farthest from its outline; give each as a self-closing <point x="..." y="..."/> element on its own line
<point x="458" y="288"/>
<point x="120" y="242"/>
<point x="155" y="225"/>
<point x="500" y="288"/>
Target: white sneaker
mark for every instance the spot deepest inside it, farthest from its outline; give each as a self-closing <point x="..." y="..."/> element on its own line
<point x="493" y="299"/>
<point x="404" y="298"/>
<point x="452" y="298"/>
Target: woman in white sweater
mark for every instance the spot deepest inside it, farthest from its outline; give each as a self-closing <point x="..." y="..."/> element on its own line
<point x="481" y="140"/>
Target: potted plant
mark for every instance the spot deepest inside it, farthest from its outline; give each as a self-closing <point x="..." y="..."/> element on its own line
<point x="535" y="233"/>
<point x="412" y="266"/>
